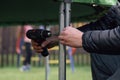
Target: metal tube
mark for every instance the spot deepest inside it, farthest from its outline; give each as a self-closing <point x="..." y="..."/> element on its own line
<point x="47" y="68"/>
<point x="65" y="9"/>
<point x="62" y="60"/>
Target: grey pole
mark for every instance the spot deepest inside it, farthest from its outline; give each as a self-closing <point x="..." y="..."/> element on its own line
<point x="62" y="66"/>
<point x="47" y="68"/>
<point x="65" y="9"/>
<point x="67" y="12"/>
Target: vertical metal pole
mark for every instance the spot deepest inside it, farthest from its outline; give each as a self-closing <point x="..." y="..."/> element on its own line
<point x="67" y="13"/>
<point x="65" y="9"/>
<point x="47" y="67"/>
<point x="62" y="60"/>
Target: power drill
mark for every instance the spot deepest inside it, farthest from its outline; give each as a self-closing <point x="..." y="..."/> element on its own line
<point x="39" y="35"/>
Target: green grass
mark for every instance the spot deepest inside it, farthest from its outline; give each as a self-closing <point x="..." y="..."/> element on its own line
<point x="81" y="73"/>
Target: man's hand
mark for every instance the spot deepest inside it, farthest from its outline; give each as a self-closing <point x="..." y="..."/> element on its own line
<point x="48" y="43"/>
<point x="71" y="37"/>
<point x="36" y="46"/>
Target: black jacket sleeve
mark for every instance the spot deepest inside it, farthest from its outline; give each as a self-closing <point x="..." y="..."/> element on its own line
<point x="107" y="41"/>
<point x="104" y="39"/>
<point x="109" y="21"/>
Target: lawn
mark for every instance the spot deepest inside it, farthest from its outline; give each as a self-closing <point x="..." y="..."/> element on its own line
<point x="38" y="73"/>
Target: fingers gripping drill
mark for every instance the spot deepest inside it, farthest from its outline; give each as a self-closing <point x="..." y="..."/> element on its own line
<point x="39" y="35"/>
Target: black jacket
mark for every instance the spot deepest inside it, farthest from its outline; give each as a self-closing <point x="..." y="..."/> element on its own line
<point x="103" y="67"/>
<point x="103" y="35"/>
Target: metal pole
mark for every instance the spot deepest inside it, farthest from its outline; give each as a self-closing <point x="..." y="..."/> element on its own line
<point x="67" y="13"/>
<point x="62" y="60"/>
<point x="47" y="68"/>
<point x="65" y="9"/>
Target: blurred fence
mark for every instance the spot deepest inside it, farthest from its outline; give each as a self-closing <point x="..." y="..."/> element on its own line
<point x="8" y="56"/>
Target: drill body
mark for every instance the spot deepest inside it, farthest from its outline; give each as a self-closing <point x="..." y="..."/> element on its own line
<point x="39" y="35"/>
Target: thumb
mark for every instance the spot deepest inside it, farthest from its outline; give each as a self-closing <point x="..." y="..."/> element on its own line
<point x="45" y="43"/>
